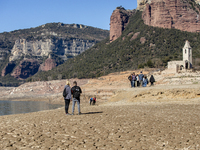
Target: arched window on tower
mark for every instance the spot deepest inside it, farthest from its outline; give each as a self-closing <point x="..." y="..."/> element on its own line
<point x="185" y="51"/>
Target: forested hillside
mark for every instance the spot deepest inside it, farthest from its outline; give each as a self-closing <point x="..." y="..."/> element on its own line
<point x="139" y="46"/>
<point x="60" y="40"/>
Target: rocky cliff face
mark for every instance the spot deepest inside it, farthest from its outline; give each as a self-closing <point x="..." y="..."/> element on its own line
<point x="8" y="69"/>
<point x="118" y="21"/>
<point x="48" y="65"/>
<point x="197" y="1"/>
<point x="61" y="41"/>
<point x="142" y="3"/>
<point x="26" y="69"/>
<point x="60" y="47"/>
<point x="178" y="14"/>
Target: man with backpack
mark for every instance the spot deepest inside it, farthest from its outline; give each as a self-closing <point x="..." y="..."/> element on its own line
<point x="76" y="91"/>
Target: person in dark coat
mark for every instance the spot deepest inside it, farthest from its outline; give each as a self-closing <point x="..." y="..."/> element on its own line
<point x="152" y="80"/>
<point x="76" y="91"/>
<point x="67" y="97"/>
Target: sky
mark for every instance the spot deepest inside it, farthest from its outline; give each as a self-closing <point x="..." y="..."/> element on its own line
<point x="21" y="14"/>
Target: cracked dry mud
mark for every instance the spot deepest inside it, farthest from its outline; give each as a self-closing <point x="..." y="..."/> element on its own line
<point x="128" y="126"/>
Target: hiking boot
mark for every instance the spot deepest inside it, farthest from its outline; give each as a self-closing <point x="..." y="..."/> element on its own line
<point x="72" y="114"/>
<point x="68" y="114"/>
<point x="79" y="113"/>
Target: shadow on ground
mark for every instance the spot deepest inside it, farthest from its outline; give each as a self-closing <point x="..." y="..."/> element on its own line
<point x="92" y="113"/>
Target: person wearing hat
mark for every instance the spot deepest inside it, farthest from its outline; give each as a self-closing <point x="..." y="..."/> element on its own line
<point x="67" y="96"/>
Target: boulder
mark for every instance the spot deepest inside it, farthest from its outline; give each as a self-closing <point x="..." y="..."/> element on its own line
<point x="142" y="40"/>
<point x="135" y="36"/>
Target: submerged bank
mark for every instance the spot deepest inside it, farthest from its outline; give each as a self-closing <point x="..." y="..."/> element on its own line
<point x="18" y="107"/>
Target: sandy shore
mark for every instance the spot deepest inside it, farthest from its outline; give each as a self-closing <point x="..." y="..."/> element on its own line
<point x="160" y="117"/>
<point x="127" y="126"/>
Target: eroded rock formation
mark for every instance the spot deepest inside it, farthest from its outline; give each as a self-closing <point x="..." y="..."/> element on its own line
<point x="118" y="21"/>
<point x="178" y="14"/>
<point x="26" y="68"/>
<point x="60" y="47"/>
<point x="8" y="69"/>
<point x="142" y="3"/>
<point x="48" y="65"/>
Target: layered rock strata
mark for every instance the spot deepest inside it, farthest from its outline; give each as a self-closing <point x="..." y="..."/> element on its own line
<point x="178" y="14"/>
<point x="60" y="47"/>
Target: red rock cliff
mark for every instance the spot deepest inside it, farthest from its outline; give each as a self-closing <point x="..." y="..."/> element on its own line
<point x="178" y="14"/>
<point x="8" y="69"/>
<point x="26" y="68"/>
<point x="118" y="21"/>
<point x="48" y="65"/>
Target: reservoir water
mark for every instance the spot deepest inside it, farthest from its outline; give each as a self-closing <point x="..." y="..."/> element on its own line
<point x="18" y="107"/>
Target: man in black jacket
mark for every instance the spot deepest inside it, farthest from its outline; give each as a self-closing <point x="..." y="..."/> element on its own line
<point x="76" y="91"/>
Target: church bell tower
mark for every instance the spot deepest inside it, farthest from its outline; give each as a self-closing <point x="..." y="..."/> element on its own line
<point x="187" y="55"/>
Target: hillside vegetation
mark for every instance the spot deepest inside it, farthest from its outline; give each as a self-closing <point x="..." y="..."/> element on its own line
<point x="126" y="53"/>
<point x="54" y="31"/>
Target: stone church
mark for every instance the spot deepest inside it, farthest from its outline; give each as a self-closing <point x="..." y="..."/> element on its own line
<point x="185" y="64"/>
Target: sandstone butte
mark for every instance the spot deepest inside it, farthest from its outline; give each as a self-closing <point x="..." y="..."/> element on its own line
<point x="118" y="21"/>
<point x="169" y="14"/>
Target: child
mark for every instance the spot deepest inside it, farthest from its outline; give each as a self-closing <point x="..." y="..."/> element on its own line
<point x="92" y="101"/>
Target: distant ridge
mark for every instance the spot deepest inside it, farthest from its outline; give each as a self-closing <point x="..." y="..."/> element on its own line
<point x="61" y="41"/>
<point x="139" y="46"/>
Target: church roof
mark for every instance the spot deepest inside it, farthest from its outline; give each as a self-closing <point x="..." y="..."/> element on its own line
<point x="187" y="44"/>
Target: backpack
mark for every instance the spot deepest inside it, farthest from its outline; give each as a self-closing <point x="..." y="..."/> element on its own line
<point x="64" y="93"/>
<point x="77" y="92"/>
<point x="130" y="78"/>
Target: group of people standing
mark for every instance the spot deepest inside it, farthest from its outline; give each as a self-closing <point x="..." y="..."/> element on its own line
<point x="76" y="92"/>
<point x="140" y="80"/>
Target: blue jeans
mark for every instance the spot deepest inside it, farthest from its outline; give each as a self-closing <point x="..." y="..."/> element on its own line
<point x="132" y="83"/>
<point x="78" y="104"/>
<point x="144" y="84"/>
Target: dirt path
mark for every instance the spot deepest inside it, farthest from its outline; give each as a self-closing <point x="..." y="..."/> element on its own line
<point x="139" y="126"/>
